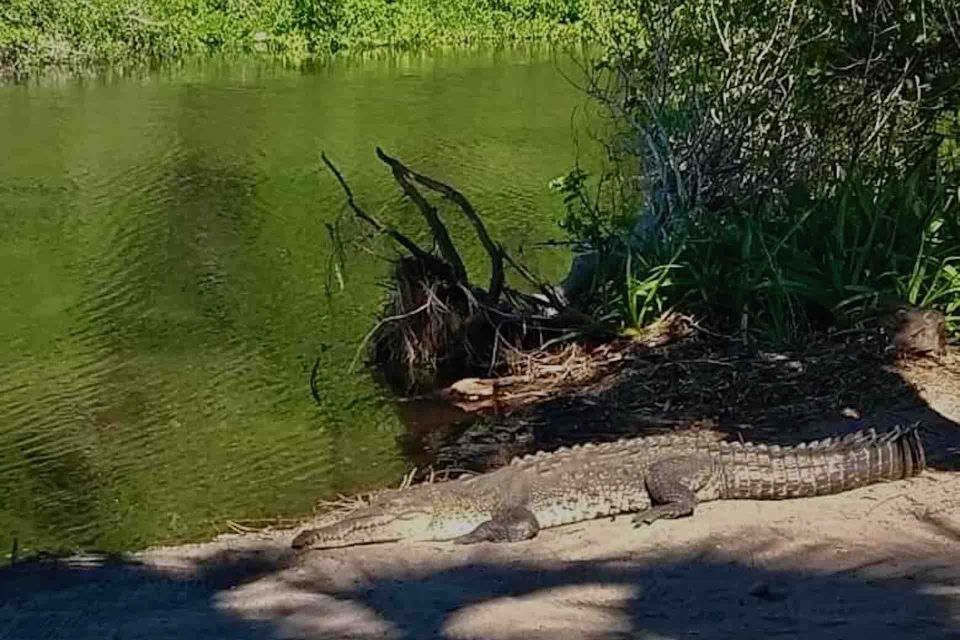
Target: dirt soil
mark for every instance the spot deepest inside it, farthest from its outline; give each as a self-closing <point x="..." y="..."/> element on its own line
<point x="883" y="561"/>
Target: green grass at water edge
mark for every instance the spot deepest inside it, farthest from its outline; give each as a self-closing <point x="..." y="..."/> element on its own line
<point x="35" y="34"/>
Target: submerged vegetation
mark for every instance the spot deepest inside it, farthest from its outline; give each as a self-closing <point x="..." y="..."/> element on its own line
<point x="72" y="33"/>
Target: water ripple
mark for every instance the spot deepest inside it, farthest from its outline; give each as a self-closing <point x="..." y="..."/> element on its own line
<point x="156" y="376"/>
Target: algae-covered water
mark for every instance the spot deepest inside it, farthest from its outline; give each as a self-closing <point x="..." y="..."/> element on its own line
<point x="168" y="278"/>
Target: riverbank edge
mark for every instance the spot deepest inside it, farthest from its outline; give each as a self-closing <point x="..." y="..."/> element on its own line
<point x="29" y="51"/>
<point x="866" y="549"/>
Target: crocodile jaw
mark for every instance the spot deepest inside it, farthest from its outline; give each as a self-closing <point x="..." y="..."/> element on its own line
<point x="368" y="525"/>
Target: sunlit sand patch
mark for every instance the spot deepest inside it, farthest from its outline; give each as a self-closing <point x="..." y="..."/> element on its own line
<point x="583" y="611"/>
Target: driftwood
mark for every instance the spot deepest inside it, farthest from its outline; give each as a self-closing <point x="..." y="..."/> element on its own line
<point x="438" y="326"/>
<point x="395" y="235"/>
<point x="493" y="249"/>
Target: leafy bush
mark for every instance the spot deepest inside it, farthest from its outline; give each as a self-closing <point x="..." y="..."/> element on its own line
<point x="721" y="104"/>
<point x="782" y="166"/>
<point x="795" y="266"/>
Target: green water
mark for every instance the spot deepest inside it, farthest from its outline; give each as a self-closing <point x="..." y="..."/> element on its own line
<point x="166" y="279"/>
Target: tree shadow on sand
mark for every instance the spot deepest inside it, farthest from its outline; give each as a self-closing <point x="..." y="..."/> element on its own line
<point x="782" y="398"/>
<point x="696" y="597"/>
<point x="267" y="592"/>
<point x="103" y="596"/>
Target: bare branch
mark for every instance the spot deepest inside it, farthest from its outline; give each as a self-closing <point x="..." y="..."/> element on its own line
<point x="449" y="252"/>
<point x="398" y="237"/>
<point x="494" y="250"/>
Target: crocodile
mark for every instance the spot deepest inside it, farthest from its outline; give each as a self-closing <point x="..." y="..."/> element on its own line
<point x="661" y="476"/>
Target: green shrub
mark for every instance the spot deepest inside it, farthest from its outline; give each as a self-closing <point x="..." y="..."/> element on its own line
<point x="794" y="266"/>
<point x="784" y="167"/>
<point x="38" y="33"/>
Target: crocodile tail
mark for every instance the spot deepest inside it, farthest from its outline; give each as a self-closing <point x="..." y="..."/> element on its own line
<point x="763" y="472"/>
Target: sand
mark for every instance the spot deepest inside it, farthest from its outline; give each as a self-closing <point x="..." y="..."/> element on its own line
<point x="883" y="561"/>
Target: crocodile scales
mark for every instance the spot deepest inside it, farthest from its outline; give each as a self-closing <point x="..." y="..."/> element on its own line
<point x="662" y="476"/>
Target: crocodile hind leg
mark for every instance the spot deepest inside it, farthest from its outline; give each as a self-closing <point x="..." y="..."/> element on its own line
<point x="672" y="485"/>
<point x="514" y="525"/>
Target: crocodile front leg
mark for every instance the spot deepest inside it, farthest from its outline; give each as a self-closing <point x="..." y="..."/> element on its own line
<point x="514" y="525"/>
<point x="672" y="485"/>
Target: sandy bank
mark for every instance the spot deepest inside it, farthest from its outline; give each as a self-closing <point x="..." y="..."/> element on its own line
<point x="881" y="561"/>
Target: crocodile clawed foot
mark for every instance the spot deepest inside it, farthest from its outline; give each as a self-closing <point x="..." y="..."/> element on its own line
<point x="670" y="511"/>
<point x="511" y="526"/>
<point x="647" y="517"/>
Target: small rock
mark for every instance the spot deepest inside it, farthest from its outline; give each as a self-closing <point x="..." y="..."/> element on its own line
<point x="920" y="332"/>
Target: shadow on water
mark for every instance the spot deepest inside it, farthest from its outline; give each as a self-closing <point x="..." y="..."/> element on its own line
<point x="267" y="592"/>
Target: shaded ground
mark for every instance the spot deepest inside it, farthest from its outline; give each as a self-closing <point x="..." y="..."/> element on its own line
<point x="882" y="561"/>
<point x="706" y="383"/>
